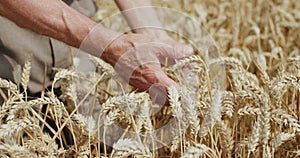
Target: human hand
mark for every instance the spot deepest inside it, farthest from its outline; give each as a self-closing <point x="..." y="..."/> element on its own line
<point x="138" y="59"/>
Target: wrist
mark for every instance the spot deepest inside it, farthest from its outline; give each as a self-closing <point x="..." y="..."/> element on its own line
<point x="98" y="39"/>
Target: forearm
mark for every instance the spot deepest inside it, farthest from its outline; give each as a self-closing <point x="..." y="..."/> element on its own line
<point x="141" y="16"/>
<point x="54" y="19"/>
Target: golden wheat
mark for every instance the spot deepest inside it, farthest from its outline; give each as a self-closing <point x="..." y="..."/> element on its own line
<point x="256" y="115"/>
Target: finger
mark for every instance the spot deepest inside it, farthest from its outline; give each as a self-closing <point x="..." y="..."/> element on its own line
<point x="181" y="51"/>
<point x="168" y="53"/>
<point x="178" y="51"/>
<point x="158" y="91"/>
<point x="165" y="81"/>
<point x="189" y="70"/>
<point x="189" y="67"/>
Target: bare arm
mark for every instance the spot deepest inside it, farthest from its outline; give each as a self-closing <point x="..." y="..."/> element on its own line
<point x="141" y="17"/>
<point x="55" y="19"/>
<point x="128" y="52"/>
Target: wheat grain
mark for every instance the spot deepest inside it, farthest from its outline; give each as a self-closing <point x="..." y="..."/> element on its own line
<point x="247" y="110"/>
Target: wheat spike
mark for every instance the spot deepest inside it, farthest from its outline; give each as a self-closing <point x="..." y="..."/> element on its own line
<point x="105" y="67"/>
<point x="127" y="147"/>
<point x="198" y="150"/>
<point x="26" y="72"/>
<point x="228" y="104"/>
<point x="8" y="85"/>
<point x="283" y="117"/>
<point x="278" y="140"/>
<point x="227" y="141"/>
<point x="175" y="104"/>
<point x="253" y="140"/>
<point x="15" y="150"/>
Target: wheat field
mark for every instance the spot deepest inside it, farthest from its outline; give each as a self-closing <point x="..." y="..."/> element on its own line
<point x="257" y="114"/>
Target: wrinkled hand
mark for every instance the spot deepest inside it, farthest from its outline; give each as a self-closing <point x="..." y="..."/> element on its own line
<point x="138" y="59"/>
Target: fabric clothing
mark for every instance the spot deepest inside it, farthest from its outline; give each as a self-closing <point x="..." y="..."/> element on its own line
<point x="17" y="43"/>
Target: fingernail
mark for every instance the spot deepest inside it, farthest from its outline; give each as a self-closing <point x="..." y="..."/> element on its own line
<point x="188" y="50"/>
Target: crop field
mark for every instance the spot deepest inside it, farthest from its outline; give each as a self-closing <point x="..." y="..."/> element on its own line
<point x="244" y="103"/>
